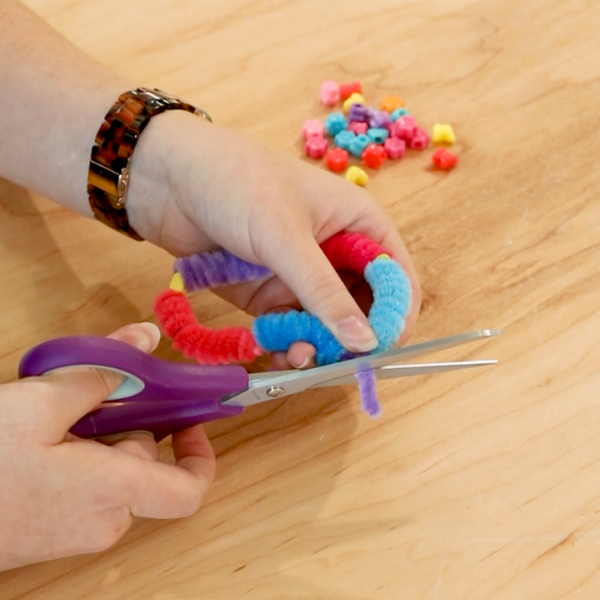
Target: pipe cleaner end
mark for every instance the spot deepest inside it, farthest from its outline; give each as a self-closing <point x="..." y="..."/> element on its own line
<point x="367" y="386"/>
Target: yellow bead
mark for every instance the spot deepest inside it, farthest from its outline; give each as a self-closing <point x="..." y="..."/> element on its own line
<point x="442" y="132"/>
<point x="354" y="98"/>
<point x="357" y="175"/>
<point x="177" y="283"/>
<point x="383" y="257"/>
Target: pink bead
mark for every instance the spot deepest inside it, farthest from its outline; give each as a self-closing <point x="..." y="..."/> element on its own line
<point x="358" y="127"/>
<point x="330" y="93"/>
<point x="315" y="146"/>
<point x="420" y="140"/>
<point x="313" y="127"/>
<point x="395" y="147"/>
<point x="404" y="128"/>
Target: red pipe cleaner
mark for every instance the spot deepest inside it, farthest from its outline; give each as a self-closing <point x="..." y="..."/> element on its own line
<point x="351" y="251"/>
<point x="206" y="345"/>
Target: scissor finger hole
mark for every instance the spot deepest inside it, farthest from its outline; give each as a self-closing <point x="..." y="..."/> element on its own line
<point x="130" y="387"/>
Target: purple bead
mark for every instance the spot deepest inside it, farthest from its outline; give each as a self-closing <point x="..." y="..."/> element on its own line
<point x="380" y="119"/>
<point x="371" y="110"/>
<point x="358" y="112"/>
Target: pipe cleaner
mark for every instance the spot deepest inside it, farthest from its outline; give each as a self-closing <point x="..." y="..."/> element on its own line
<point x="276" y="332"/>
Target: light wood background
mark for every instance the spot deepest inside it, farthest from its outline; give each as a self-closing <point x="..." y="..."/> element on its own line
<point x="474" y="485"/>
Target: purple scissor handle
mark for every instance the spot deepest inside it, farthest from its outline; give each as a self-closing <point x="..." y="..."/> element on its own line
<point x="158" y="396"/>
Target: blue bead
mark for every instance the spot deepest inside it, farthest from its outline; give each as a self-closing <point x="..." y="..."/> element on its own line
<point x="343" y="139"/>
<point x="358" y="144"/>
<point x="378" y="135"/>
<point x="335" y="122"/>
<point x="399" y="112"/>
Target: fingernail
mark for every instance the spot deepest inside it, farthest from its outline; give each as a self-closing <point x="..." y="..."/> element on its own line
<point x="356" y="335"/>
<point x="144" y="336"/>
<point x="304" y="363"/>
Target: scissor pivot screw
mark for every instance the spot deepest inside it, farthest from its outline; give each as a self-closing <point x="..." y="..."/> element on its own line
<point x="275" y="391"/>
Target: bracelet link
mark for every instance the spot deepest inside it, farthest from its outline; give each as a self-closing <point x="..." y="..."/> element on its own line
<point x="108" y="174"/>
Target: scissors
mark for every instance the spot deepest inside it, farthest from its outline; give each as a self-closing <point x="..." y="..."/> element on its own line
<point x="163" y="397"/>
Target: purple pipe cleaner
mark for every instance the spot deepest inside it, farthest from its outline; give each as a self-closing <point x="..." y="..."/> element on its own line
<point x="214" y="269"/>
<point x="367" y="386"/>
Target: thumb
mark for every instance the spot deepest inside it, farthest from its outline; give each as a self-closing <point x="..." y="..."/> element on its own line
<point x="76" y="391"/>
<point x="320" y="290"/>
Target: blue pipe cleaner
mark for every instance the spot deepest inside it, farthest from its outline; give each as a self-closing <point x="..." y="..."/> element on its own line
<point x="276" y="332"/>
<point x="391" y="301"/>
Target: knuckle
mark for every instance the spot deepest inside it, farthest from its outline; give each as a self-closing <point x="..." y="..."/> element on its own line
<point x="192" y="500"/>
<point x="104" y="381"/>
<point x="109" y="531"/>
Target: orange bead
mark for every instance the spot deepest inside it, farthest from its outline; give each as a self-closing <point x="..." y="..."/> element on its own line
<point x="390" y="103"/>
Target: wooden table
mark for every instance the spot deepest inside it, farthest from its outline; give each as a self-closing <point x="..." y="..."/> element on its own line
<point x="473" y="485"/>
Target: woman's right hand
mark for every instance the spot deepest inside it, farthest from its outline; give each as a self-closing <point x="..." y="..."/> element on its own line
<point x="62" y="495"/>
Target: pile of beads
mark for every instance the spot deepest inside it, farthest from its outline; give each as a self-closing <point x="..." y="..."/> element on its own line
<point x="370" y="134"/>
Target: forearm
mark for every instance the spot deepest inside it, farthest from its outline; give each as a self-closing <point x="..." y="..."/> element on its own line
<point x="54" y="98"/>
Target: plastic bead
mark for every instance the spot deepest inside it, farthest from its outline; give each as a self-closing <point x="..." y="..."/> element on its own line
<point x="177" y="283"/>
<point x="335" y="122"/>
<point x="442" y="132"/>
<point x="343" y="139"/>
<point x="315" y="146"/>
<point x="380" y="119"/>
<point x="357" y="175"/>
<point x="374" y="156"/>
<point x="330" y="93"/>
<point x="357" y="127"/>
<point x="404" y="128"/>
<point x="336" y="159"/>
<point x="358" y="144"/>
<point x="358" y="112"/>
<point x="394" y="147"/>
<point x="443" y="159"/>
<point x="390" y="103"/>
<point x="312" y="127"/>
<point x="399" y="112"/>
<point x="353" y="99"/>
<point x="420" y="140"/>
<point x="378" y="135"/>
<point x="347" y="89"/>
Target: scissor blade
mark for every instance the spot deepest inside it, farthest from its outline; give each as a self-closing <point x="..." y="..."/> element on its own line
<point x="393" y="371"/>
<point x="267" y="386"/>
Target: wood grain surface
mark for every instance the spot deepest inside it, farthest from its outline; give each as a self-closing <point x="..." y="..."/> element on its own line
<point x="473" y="485"/>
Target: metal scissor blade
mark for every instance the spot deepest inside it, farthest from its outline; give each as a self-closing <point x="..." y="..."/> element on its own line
<point x="267" y="386"/>
<point x="393" y="371"/>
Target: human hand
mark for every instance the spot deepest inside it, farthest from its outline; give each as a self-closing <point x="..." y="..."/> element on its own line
<point x="196" y="186"/>
<point x="61" y="495"/>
